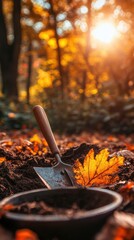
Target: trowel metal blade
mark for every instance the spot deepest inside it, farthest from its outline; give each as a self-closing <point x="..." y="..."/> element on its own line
<point x="52" y="177"/>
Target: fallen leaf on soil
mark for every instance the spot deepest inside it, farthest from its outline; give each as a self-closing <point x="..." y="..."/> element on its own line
<point x="112" y="138"/>
<point x="118" y="227"/>
<point x="130" y="146"/>
<point x="25" y="234"/>
<point x="122" y="233"/>
<point x="2" y="159"/>
<point x="6" y="208"/>
<point x="127" y="192"/>
<point x="97" y="169"/>
<point x="124" y="153"/>
<point x="36" y="140"/>
<point x="127" y="186"/>
<point x="6" y="142"/>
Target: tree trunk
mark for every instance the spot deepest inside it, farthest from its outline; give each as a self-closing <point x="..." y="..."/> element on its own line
<point x="87" y="51"/>
<point x="58" y="49"/>
<point x="3" y="47"/>
<point x="84" y="81"/>
<point x="9" y="53"/>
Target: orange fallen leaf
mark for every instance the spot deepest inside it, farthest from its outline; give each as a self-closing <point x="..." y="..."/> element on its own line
<point x="112" y="138"/>
<point x="127" y="186"/>
<point x="70" y="144"/>
<point x="19" y="148"/>
<point x="6" y="143"/>
<point x="8" y="207"/>
<point x="97" y="169"/>
<point x="36" y="147"/>
<point x="130" y="146"/>
<point x="25" y="234"/>
<point x="44" y="142"/>
<point x="120" y="233"/>
<point x="127" y="192"/>
<point x="2" y="159"/>
<point x="5" y="208"/>
<point x="30" y="150"/>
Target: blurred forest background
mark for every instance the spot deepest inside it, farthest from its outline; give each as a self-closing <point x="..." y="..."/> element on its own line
<point x="73" y="57"/>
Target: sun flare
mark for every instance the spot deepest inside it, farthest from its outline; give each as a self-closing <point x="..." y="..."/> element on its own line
<point x="104" y="32"/>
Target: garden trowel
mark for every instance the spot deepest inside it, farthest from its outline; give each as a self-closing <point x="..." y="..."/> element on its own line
<point x="60" y="175"/>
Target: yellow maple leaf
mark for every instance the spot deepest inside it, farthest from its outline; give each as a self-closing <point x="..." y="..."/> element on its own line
<point x="97" y="169"/>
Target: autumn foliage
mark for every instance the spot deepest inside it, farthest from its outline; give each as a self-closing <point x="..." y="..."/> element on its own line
<point x="21" y="151"/>
<point x="25" y="234"/>
<point x="97" y="170"/>
<point x="49" y="56"/>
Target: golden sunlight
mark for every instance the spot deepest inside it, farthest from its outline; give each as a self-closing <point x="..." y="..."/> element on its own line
<point x="105" y="32"/>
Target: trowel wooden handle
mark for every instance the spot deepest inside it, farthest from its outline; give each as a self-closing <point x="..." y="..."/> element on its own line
<point x="44" y="125"/>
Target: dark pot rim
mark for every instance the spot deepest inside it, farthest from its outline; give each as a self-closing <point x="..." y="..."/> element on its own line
<point x="116" y="200"/>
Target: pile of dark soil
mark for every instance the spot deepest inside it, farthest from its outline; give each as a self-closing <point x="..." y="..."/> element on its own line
<point x="19" y="154"/>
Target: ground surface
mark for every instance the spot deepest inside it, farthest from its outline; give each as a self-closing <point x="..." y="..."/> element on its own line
<point x="20" y="151"/>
